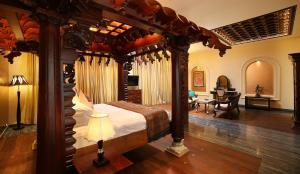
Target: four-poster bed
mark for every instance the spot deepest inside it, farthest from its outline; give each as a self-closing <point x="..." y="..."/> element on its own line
<point x="71" y="29"/>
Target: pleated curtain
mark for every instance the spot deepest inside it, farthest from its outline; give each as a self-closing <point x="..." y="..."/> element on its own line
<point x="99" y="82"/>
<point x="154" y="81"/>
<point x="31" y="94"/>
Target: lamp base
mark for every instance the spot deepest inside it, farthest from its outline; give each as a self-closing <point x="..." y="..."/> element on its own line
<point x="100" y="163"/>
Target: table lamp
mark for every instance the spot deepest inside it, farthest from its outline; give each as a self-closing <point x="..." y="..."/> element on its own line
<point x="100" y="128"/>
<point x="18" y="80"/>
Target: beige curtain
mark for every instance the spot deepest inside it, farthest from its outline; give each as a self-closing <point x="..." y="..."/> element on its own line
<point x="154" y="81"/>
<point x="31" y="94"/>
<point x="100" y="82"/>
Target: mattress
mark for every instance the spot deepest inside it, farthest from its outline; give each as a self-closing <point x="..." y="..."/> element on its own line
<point x="124" y="122"/>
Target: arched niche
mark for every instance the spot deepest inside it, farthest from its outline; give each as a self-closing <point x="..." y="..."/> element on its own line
<point x="272" y="67"/>
<point x="200" y="80"/>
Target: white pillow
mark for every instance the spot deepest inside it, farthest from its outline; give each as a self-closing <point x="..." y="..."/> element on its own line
<point x="83" y="99"/>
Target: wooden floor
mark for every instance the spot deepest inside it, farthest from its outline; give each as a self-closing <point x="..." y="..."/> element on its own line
<point x="16" y="155"/>
<point x="276" y="120"/>
<point x="204" y="158"/>
<point x="216" y="145"/>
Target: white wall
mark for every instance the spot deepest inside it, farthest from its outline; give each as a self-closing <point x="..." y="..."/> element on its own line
<point x="232" y="62"/>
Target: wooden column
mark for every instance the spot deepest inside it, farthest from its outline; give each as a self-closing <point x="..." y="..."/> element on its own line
<point x="50" y="126"/>
<point x="296" y="68"/>
<point x="122" y="82"/>
<point x="179" y="51"/>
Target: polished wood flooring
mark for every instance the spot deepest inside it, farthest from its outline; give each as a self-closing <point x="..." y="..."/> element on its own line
<point x="276" y="120"/>
<point x="203" y="158"/>
<point x="16" y="155"/>
<point x="279" y="151"/>
<point x="217" y="145"/>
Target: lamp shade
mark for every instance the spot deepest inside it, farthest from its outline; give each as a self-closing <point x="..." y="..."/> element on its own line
<point x="18" y="80"/>
<point x="99" y="128"/>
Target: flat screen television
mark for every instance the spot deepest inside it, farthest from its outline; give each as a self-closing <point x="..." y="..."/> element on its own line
<point x="133" y="80"/>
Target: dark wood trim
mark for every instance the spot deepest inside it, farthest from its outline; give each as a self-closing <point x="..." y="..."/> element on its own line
<point x="50" y="121"/>
<point x="179" y="55"/>
<point x="296" y="70"/>
<point x="122" y="82"/>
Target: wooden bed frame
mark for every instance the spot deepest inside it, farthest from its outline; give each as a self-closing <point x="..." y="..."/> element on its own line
<point x="120" y="145"/>
<point x="59" y="50"/>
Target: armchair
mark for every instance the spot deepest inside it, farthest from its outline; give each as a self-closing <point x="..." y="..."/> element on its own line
<point x="228" y="105"/>
<point x="192" y="98"/>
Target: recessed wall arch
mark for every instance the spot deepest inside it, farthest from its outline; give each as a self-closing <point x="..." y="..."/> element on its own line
<point x="276" y="76"/>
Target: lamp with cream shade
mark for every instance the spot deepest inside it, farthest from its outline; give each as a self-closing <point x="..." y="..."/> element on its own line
<point x="100" y="128"/>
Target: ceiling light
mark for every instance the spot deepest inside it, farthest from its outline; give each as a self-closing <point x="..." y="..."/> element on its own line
<point x="115" y="23"/>
<point x="93" y="28"/>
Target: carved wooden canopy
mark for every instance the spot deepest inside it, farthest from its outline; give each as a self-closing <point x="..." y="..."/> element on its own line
<point x="123" y="28"/>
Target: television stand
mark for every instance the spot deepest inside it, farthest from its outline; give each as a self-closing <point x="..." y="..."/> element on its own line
<point x="135" y="96"/>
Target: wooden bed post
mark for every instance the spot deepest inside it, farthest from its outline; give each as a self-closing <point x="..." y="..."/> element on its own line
<point x="50" y="138"/>
<point x="122" y="82"/>
<point x="68" y="57"/>
<point x="295" y="58"/>
<point x="179" y="51"/>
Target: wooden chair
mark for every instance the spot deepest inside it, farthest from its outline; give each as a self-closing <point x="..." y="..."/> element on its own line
<point x="228" y="105"/>
<point x="221" y="95"/>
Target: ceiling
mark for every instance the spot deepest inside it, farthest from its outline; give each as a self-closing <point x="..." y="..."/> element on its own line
<point x="212" y="14"/>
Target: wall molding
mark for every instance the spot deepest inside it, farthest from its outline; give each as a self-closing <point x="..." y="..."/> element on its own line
<point x="276" y="76"/>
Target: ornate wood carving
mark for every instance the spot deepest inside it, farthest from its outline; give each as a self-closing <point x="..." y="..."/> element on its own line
<point x="296" y="68"/>
<point x="69" y="121"/>
<point x="77" y="38"/>
<point x="10" y="56"/>
<point x="122" y="82"/>
<point x="28" y="46"/>
<point x="179" y="50"/>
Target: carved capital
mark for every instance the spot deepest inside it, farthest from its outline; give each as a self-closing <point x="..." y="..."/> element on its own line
<point x="179" y="47"/>
<point x="45" y="15"/>
<point x="76" y="38"/>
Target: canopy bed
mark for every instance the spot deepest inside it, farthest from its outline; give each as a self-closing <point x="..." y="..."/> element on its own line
<point x="124" y="30"/>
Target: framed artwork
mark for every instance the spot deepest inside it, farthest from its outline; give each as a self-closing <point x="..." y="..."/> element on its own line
<point x="199" y="79"/>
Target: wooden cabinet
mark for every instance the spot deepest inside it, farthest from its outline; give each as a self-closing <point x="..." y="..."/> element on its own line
<point x="250" y="99"/>
<point x="135" y="96"/>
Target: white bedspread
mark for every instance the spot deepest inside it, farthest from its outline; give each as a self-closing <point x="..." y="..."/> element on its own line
<point x="124" y="121"/>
